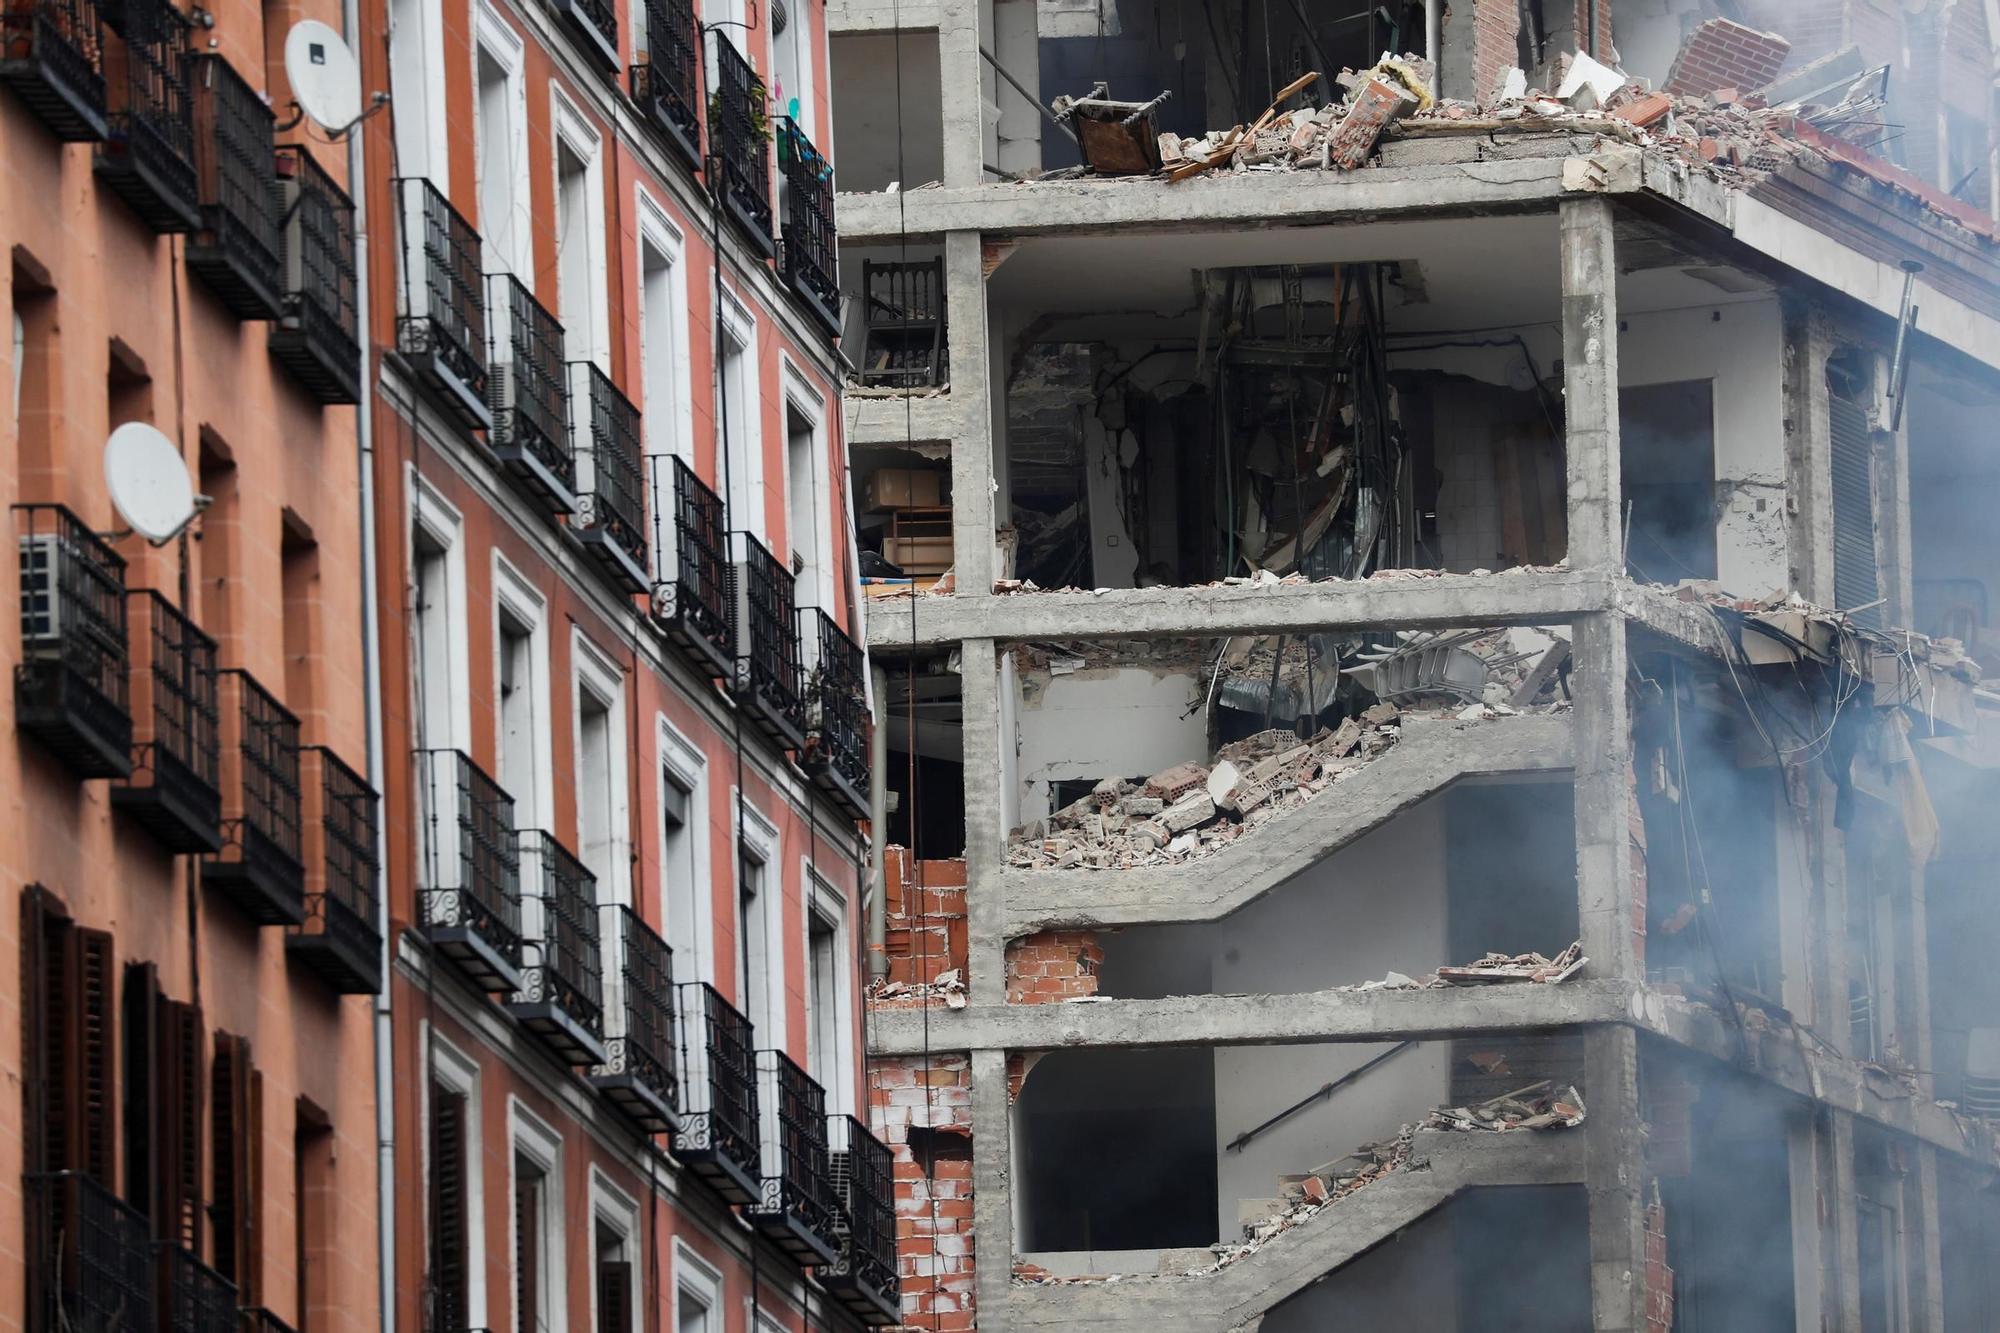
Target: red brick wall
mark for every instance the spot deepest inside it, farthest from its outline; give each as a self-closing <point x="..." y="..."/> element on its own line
<point x="1722" y="54"/>
<point x="1659" y="1277"/>
<point x="1603" y="49"/>
<point x="933" y="1187"/>
<point x="1496" y="33"/>
<point x="926" y="917"/>
<point x="1055" y="965"/>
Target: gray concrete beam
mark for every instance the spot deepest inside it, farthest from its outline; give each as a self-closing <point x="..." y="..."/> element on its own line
<point x="992" y="1189"/>
<point x="872" y="17"/>
<point x="894" y="422"/>
<point x="1203" y="1020"/>
<point x="1287" y="1264"/>
<point x="972" y="497"/>
<point x="1135" y="613"/>
<point x="985" y="908"/>
<point x="1431" y="757"/>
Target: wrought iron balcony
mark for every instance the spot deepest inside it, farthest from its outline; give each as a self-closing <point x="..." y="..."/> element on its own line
<point x="261" y="866"/>
<point x="527" y="390"/>
<point x="717" y="1138"/>
<point x="667" y="86"/>
<point x="595" y="23"/>
<point x="52" y="56"/>
<point x="836" y="753"/>
<point x="862" y="1276"/>
<point x="561" y="998"/>
<point x="339" y="938"/>
<point x="147" y="156"/>
<point x="472" y="870"/>
<point x="811" y="263"/>
<point x="903" y="325"/>
<point x="239" y="249"/>
<point x="90" y="1257"/>
<point x="261" y="1321"/>
<point x="194" y="1298"/>
<point x="70" y="689"/>
<point x="611" y="500"/>
<point x="316" y="334"/>
<point x="770" y="682"/>
<point x="639" y="1070"/>
<point x="173" y="790"/>
<point x="739" y="135"/>
<point x="693" y="599"/>
<point x="795" y="1207"/>
<point x="442" y="329"/>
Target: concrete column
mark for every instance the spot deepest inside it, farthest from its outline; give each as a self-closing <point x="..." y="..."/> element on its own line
<point x="1844" y="1291"/>
<point x="1808" y="450"/>
<point x="1804" y="1147"/>
<point x="1926" y="1245"/>
<point x="985" y="901"/>
<point x="1590" y="383"/>
<point x="1607" y="910"/>
<point x="962" y="76"/>
<point x="972" y="497"/>
<point x="992" y="1189"/>
<point x="1615" y="1180"/>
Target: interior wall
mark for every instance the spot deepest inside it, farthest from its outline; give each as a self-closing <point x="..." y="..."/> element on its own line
<point x="873" y="124"/>
<point x="1125" y="722"/>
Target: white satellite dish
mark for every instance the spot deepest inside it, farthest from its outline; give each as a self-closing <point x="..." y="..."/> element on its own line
<point x="148" y="481"/>
<point x="326" y="83"/>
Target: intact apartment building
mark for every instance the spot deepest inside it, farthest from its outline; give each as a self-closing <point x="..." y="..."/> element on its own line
<point x="1561" y="529"/>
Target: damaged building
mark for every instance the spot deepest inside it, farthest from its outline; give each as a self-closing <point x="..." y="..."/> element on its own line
<point x="1433" y="597"/>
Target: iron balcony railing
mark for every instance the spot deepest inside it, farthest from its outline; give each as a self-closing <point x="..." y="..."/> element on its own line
<point x="769" y="676"/>
<point x="147" y="156"/>
<point x="863" y="1276"/>
<point x="717" y="1138"/>
<point x="561" y="996"/>
<point x="528" y="393"/>
<point x="472" y="866"/>
<point x="595" y="23"/>
<point x="316" y="336"/>
<point x="52" y="56"/>
<point x="811" y="256"/>
<point x="836" y="753"/>
<point x="261" y="866"/>
<point x="667" y="85"/>
<point x="639" y="1072"/>
<point x="239" y="249"/>
<point x="693" y="598"/>
<point x="903" y="325"/>
<point x="442" y="331"/>
<point x="262" y="1321"/>
<point x="339" y="938"/>
<point x="70" y="687"/>
<point x="611" y="501"/>
<point x="91" y="1257"/>
<point x="194" y="1298"/>
<point x="174" y="789"/>
<point x="739" y="135"/>
<point x="796" y="1205"/>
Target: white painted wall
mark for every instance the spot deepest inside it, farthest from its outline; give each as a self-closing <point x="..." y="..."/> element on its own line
<point x="1114" y="722"/>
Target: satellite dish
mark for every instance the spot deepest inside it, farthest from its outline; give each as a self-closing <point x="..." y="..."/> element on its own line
<point x="326" y="83"/>
<point x="148" y="481"/>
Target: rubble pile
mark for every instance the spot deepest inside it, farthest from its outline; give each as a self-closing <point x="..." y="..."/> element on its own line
<point x="1537" y="1106"/>
<point x="1499" y="968"/>
<point x="949" y="987"/>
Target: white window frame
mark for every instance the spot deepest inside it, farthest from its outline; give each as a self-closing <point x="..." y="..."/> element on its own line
<point x="680" y="761"/>
<point x="516" y="599"/>
<point x="828" y="904"/>
<point x="619" y="1210"/>
<point x="802" y="395"/>
<point x="760" y="844"/>
<point x="528" y="1135"/>
<point x="459" y="1073"/>
<point x="574" y="131"/>
<point x="667" y="431"/>
<point x="417" y="83"/>
<point x="696" y="1275"/>
<point x="443" y="525"/>
<point x="495" y="39"/>
<point x="593" y="672"/>
<point x="745" y="489"/>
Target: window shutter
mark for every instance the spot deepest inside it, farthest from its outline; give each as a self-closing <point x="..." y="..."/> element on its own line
<point x="177" y="1151"/>
<point x="1856" y="575"/>
<point x="448" y="1222"/>
<point x="614" y="1296"/>
<point x="232" y="1154"/>
<point x="527" y="1250"/>
<point x="93" y="1116"/>
<point x="142" y="1108"/>
<point x="58" y="1020"/>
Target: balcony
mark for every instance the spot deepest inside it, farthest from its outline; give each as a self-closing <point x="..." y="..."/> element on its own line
<point x="611" y="500"/>
<point x="667" y="87"/>
<point x="836" y="753"/>
<point x="316" y="336"/>
<point x="903" y="326"/>
<point x="147" y="157"/>
<point x="639" y="1072"/>
<point x="769" y="680"/>
<point x="194" y="1298"/>
<point x="796" y="1206"/>
<point x="442" y="330"/>
<point x="52" y="57"/>
<point x="805" y="196"/>
<point x="472" y="870"/>
<point x="91" y="1254"/>
<point x="739" y="134"/>
<point x="239" y="250"/>
<point x="261" y="1321"/>
<point x="693" y="601"/>
<point x="260" y="867"/>
<point x="525" y="389"/>
<point x="595" y="26"/>
<point x="561" y="998"/>
<point x="717" y="1137"/>
<point x="339" y="938"/>
<point x="70" y="689"/>
<point x="176" y="764"/>
<point x="862" y="1277"/>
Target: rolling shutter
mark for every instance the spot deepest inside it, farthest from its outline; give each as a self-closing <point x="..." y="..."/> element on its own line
<point x="1856" y="576"/>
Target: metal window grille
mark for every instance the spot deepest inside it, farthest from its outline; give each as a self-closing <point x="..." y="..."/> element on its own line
<point x="445" y="309"/>
<point x="792" y="1109"/>
<point x="176" y="755"/>
<point x="71" y="683"/>
<point x="613" y="500"/>
<point x="739" y="134"/>
<point x="268" y="742"/>
<point x="811" y="253"/>
<point x="837" y="702"/>
<point x="564" y="962"/>
<point x="240" y="248"/>
<point x="860" y="1170"/>
<point x="694" y="596"/>
<point x="473" y="857"/>
<point x="639" y="1030"/>
<point x="718" y="1082"/>
<point x="317" y="331"/>
<point x="52" y="55"/>
<point x="149" y="156"/>
<point x="528" y="390"/>
<point x="96" y="1269"/>
<point x="769" y="643"/>
<point x="667" y="85"/>
<point x="339" y="936"/>
<point x="195" y="1298"/>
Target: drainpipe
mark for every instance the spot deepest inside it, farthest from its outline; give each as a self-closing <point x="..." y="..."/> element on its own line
<point x="1434" y="44"/>
<point x="878" y="829"/>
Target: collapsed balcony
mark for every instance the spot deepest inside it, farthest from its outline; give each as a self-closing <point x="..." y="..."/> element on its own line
<point x="316" y="336"/>
<point x="259" y="866"/>
<point x="70" y="688"/>
<point x="694" y="595"/>
<point x="639" y="1072"/>
<point x="441" y="329"/>
<point x="471" y="895"/>
<point x="718" y="1133"/>
<point x="796" y="1207"/>
<point x="339" y="938"/>
<point x="561" y="995"/>
<point x="173" y="790"/>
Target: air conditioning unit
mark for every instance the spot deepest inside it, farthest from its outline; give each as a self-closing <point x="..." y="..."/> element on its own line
<point x="42" y="607"/>
<point x="503" y="388"/>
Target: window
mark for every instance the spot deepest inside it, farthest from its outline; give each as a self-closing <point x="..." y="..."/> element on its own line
<point x="163" y="1100"/>
<point x="602" y="811"/>
<point x="235" y="1129"/>
<point x="697" y="1293"/>
<point x="537" y="1225"/>
<point x="500" y="130"/>
<point x="824" y="1015"/>
<point x="615" y="1253"/>
<point x="443" y="693"/>
<point x="760" y="965"/>
<point x="792" y="64"/>
<point x="417" y="87"/>
<point x="737" y="399"/>
<point x="313" y="1190"/>
<point x="664" y="406"/>
<point x="580" y="243"/>
<point x="683" y="854"/>
<point x="299" y="558"/>
<point x="456" y="1277"/>
<point x="809" y="526"/>
<point x="66" y="1026"/>
<point x="522" y="692"/>
<point x="221" y="544"/>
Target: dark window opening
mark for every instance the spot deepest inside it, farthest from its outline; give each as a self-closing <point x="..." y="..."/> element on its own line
<point x="1667" y="461"/>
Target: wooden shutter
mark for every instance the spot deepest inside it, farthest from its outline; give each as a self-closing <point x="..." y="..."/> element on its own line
<point x="66" y="1028"/>
<point x="448" y="1204"/>
<point x="527" y="1248"/>
<point x="142" y="1108"/>
<point x="94" y="1117"/>
<point x="177" y="1149"/>
<point x="614" y="1296"/>
<point x="233" y="1142"/>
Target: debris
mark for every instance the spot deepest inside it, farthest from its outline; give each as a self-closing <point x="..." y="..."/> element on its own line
<point x="1117" y="138"/>
<point x="1495" y="968"/>
<point x="1721" y="53"/>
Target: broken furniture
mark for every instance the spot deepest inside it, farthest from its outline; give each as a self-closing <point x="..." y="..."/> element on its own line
<point x="903" y="324"/>
<point x="1117" y="138"/>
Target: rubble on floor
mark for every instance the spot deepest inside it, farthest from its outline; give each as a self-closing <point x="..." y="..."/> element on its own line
<point x="1538" y="1106"/>
<point x="1498" y="968"/>
<point x="949" y="987"/>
